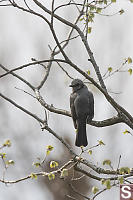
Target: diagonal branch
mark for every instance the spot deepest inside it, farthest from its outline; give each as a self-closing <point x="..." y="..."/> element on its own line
<point x="46" y="127"/>
<point x="31" y="64"/>
<point x="17" y="76"/>
<point x="21" y="108"/>
<point x="77" y="192"/>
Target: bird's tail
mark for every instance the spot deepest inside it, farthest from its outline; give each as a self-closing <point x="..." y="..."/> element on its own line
<point x="81" y="138"/>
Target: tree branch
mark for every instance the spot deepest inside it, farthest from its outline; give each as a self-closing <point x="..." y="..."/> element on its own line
<point x="17" y="76"/>
<point x="22" y="109"/>
<point x="74" y="26"/>
<point x="38" y="174"/>
<point x="30" y="64"/>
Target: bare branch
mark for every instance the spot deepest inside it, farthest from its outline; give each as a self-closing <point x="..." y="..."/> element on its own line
<point x="31" y="64"/>
<point x="21" y="108"/>
<point x="47" y="72"/>
<point x="17" y="76"/>
<point x="25" y="92"/>
<point x="77" y="192"/>
<point x="65" y="71"/>
<point x="82" y="37"/>
<point x="26" y="5"/>
<point x="61" y="140"/>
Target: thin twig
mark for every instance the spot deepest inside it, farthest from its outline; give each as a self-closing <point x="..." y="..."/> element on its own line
<point x="25" y="92"/>
<point x="77" y="192"/>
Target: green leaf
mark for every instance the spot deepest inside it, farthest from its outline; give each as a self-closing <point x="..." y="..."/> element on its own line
<point x="89" y="29"/>
<point x="129" y="60"/>
<point x="113" y="1"/>
<point x="90" y="17"/>
<point x="101" y="142"/>
<point x="2" y="155"/>
<point x="49" y="148"/>
<point x="101" y="2"/>
<point x="105" y="2"/>
<point x="131" y="1"/>
<point x="95" y="190"/>
<point x="107" y="162"/>
<point x="53" y="164"/>
<point x="98" y="10"/>
<point x="64" y="173"/>
<point x="121" y="180"/>
<point x="10" y="162"/>
<point x="88" y="72"/>
<point x="107" y="184"/>
<point x="37" y="164"/>
<point x="33" y="176"/>
<point x="110" y="69"/>
<point x="81" y="19"/>
<point x="103" y="181"/>
<point x="51" y="176"/>
<point x="124" y="170"/>
<point x="130" y="71"/>
<point x="92" y="8"/>
<point x="126" y="132"/>
<point x="90" y="152"/>
<point x="121" y="11"/>
<point x="7" y="143"/>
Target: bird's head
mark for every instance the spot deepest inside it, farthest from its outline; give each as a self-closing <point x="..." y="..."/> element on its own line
<point x="76" y="84"/>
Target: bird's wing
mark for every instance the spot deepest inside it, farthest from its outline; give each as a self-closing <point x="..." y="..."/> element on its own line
<point x="91" y="106"/>
<point x="72" y="106"/>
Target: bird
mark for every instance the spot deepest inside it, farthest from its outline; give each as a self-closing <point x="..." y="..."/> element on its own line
<point x="82" y="110"/>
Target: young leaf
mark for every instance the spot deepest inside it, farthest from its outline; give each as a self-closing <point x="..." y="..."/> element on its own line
<point x="90" y="152"/>
<point x="89" y="29"/>
<point x="92" y="8"/>
<point x="10" y="162"/>
<point x="113" y="1"/>
<point x="121" y="180"/>
<point x="105" y="2"/>
<point x="64" y="173"/>
<point x="33" y="176"/>
<point x="107" y="162"/>
<point x="37" y="164"/>
<point x="95" y="190"/>
<point x="126" y="132"/>
<point x="110" y="69"/>
<point x="121" y="11"/>
<point x="130" y="71"/>
<point x="81" y="19"/>
<point x="88" y="72"/>
<point x="2" y="155"/>
<point x="98" y="10"/>
<point x="103" y="181"/>
<point x="7" y="143"/>
<point x="51" y="176"/>
<point x="53" y="164"/>
<point x="107" y="184"/>
<point x="129" y="60"/>
<point x="124" y="170"/>
<point x="131" y="1"/>
<point x="49" y="148"/>
<point x="101" y="142"/>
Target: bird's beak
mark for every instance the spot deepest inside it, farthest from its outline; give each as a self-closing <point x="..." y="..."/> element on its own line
<point x="70" y="85"/>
